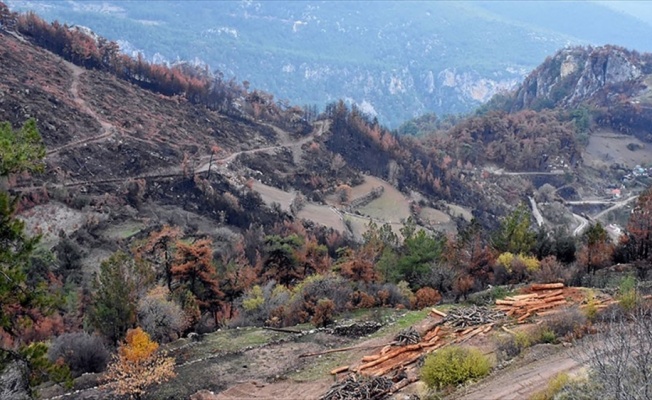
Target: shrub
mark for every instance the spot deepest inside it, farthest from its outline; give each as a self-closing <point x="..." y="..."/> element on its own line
<point x="454" y="365"/>
<point x="163" y="319"/>
<point x="627" y="296"/>
<point x="547" y="336"/>
<point x="426" y="297"/>
<point x="138" y="365"/>
<point x="323" y="313"/>
<point x="566" y="324"/>
<point x="80" y="351"/>
<point x="551" y="271"/>
<point x="555" y="385"/>
<point x="591" y="310"/>
<point x="509" y="347"/>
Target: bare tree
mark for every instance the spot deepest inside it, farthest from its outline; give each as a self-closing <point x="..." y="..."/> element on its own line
<point x="620" y="360"/>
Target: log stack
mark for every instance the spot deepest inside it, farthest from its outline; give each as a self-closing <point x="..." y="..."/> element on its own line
<point x="543" y="300"/>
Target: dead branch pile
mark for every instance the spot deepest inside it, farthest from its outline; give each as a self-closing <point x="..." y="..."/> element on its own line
<point x="354" y="388"/>
<point x="357" y="329"/>
<point x="543" y="299"/>
<point x="407" y="336"/>
<point x="464" y="317"/>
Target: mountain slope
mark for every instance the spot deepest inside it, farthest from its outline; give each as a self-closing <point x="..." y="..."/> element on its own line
<point x="395" y="59"/>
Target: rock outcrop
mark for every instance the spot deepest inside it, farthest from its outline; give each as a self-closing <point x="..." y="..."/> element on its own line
<point x="579" y="74"/>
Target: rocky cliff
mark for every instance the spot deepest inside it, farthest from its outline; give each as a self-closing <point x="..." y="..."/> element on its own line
<point x="580" y="74"/>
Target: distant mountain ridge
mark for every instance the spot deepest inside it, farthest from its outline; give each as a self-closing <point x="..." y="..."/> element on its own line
<point x="395" y="60"/>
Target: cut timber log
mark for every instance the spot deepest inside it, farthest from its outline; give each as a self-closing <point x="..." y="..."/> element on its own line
<point x="550" y="294"/>
<point x="402" y="361"/>
<point x="340" y="369"/>
<point x="545" y="305"/>
<point x="546" y="286"/>
<point x="319" y="353"/>
<point x="431" y="334"/>
<point x="521" y="297"/>
<point x="506" y="329"/>
<point x="505" y="302"/>
<point x="523" y="317"/>
<point x="397" y="352"/>
<point x="284" y="330"/>
<point x="371" y="358"/>
<point x="400" y="385"/>
<point x="437" y="312"/>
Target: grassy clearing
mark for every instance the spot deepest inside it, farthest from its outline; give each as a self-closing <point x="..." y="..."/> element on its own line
<point x="124" y="230"/>
<point x="320" y="367"/>
<point x="607" y="147"/>
<point x="229" y="341"/>
<point x="406" y="320"/>
<point x="392" y="206"/>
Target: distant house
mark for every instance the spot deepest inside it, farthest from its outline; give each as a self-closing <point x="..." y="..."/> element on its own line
<point x="615" y="193"/>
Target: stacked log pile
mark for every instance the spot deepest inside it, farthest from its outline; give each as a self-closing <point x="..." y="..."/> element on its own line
<point x="399" y="354"/>
<point x="398" y="359"/>
<point x="543" y="300"/>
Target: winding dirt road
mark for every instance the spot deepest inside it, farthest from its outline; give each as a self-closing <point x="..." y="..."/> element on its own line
<point x="108" y="129"/>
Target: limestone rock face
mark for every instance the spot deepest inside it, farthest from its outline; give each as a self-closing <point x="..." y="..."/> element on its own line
<point x="577" y="74"/>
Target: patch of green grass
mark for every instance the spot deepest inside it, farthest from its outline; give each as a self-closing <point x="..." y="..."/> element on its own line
<point x="230" y="340"/>
<point x="406" y="320"/>
<point x="320" y="367"/>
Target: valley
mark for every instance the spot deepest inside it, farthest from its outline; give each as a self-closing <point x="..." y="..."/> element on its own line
<point x="235" y="246"/>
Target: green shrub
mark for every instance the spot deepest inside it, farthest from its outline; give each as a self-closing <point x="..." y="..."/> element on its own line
<point x="453" y="366"/>
<point x="627" y="296"/>
<point x="591" y="310"/>
<point x="555" y="385"/>
<point x="547" y="336"/>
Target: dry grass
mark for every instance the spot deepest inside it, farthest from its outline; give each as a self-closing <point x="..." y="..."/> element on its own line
<point x="607" y="147"/>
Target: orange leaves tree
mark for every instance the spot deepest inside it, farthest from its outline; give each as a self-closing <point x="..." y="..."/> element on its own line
<point x="139" y="365"/>
<point x="159" y="249"/>
<point x="597" y="249"/>
<point x="193" y="267"/>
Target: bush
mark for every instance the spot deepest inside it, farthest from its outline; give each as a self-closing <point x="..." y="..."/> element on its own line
<point x="426" y="297"/>
<point x="454" y="365"/>
<point x="551" y="271"/>
<point x="80" y="351"/>
<point x="568" y="323"/>
<point x="323" y="313"/>
<point x="555" y="385"/>
<point x="162" y="319"/>
<point x="627" y="296"/>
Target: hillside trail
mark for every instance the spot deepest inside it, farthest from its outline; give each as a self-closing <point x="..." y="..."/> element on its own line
<point x="523" y="381"/>
<point x="218" y="164"/>
<point x="285" y="141"/>
<point x="107" y="129"/>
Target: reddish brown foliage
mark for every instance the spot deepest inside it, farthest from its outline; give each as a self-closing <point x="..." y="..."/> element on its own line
<point x="323" y="313"/>
<point x="193" y="265"/>
<point x="426" y="297"/>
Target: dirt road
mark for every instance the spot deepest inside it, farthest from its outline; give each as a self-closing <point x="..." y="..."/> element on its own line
<point x="523" y="380"/>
